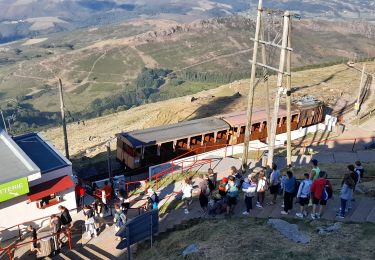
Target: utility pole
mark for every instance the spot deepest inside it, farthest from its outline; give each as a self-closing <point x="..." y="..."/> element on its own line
<point x="62" y="108"/>
<point x="280" y="90"/>
<point x="108" y="145"/>
<point x="5" y="126"/>
<point x="251" y="87"/>
<point x="289" y="97"/>
<point x="265" y="79"/>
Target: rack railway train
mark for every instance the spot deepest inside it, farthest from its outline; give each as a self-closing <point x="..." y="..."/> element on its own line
<point x="142" y="148"/>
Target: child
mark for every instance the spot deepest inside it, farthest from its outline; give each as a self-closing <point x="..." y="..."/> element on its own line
<point x="187" y="194"/>
<point x="303" y="195"/>
<point x="261" y="189"/>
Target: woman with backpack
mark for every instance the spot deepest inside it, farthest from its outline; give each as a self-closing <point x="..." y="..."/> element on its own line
<point x="346" y="194"/>
<point x="262" y="186"/>
<point x="222" y="187"/>
<point x="212" y="179"/>
<point x="303" y="195"/>
<point x="232" y="194"/>
<point x="274" y="183"/>
<point x="289" y="184"/>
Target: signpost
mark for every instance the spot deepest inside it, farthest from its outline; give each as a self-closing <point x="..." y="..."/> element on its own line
<point x="138" y="229"/>
<point x="13" y="189"/>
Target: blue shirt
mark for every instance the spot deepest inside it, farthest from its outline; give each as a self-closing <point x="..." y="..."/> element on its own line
<point x="289" y="184"/>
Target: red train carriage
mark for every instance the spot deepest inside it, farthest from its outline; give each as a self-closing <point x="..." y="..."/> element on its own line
<point x="143" y="148"/>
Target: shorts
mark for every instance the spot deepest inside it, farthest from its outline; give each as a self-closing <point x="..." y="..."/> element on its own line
<point x="316" y="201"/>
<point x="35" y="245"/>
<point x="232" y="201"/>
<point x="303" y="201"/>
<point x="274" y="189"/>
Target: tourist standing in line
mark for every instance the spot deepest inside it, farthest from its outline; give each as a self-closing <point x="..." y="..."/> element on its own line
<point x="261" y="189"/>
<point x="359" y="169"/>
<point x="346" y="194"/>
<point x="274" y="183"/>
<point x="55" y="224"/>
<point x="315" y="170"/>
<point x="212" y="180"/>
<point x="232" y="194"/>
<point x="66" y="220"/>
<point x="34" y="237"/>
<point x="319" y="193"/>
<point x="153" y="199"/>
<point x="119" y="219"/>
<point x="187" y="194"/>
<point x="303" y="195"/>
<point x="249" y="187"/>
<point x="289" y="184"/>
<point x="80" y="194"/>
<point x="355" y="178"/>
<point x="203" y="192"/>
<point x="89" y="222"/>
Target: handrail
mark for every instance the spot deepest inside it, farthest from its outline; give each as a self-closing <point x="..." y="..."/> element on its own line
<point x="9" y="248"/>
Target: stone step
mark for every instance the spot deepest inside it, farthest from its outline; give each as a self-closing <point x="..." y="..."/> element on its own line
<point x="363" y="210"/>
<point x="371" y="215"/>
<point x="354" y="208"/>
<point x="62" y="256"/>
<point x="333" y="205"/>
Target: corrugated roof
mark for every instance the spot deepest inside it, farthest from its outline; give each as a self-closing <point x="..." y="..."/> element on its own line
<point x="41" y="153"/>
<point x="172" y="132"/>
<point x="240" y="118"/>
<point x="14" y="163"/>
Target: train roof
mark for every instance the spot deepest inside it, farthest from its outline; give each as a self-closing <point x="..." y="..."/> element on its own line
<point x="168" y="133"/>
<point x="239" y="118"/>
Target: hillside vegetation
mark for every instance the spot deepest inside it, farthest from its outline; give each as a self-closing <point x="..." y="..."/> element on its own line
<point x="329" y="84"/>
<point x="101" y="67"/>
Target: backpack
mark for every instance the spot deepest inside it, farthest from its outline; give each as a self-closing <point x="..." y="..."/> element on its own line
<point x="327" y="192"/>
<point x="222" y="186"/>
<point x="296" y="188"/>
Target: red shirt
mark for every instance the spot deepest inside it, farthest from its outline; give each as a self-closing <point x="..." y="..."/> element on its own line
<point x="318" y="186"/>
<point x="80" y="190"/>
<point x="108" y="190"/>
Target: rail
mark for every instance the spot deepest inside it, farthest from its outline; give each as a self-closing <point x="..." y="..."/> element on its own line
<point x="9" y="249"/>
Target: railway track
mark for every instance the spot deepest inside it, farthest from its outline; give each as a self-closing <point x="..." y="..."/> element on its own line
<point x="365" y="95"/>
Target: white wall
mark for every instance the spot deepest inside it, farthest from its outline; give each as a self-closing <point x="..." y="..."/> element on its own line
<point x="17" y="210"/>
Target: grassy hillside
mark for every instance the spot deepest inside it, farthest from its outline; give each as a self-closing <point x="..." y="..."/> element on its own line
<point x="329" y="84"/>
<point x="249" y="238"/>
<point x="98" y="65"/>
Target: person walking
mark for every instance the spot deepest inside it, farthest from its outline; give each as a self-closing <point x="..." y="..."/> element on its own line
<point x="303" y="195"/>
<point x="66" y="220"/>
<point x="249" y="187"/>
<point x="261" y="189"/>
<point x="321" y="190"/>
<point x="355" y="178"/>
<point x="232" y="194"/>
<point x="274" y="183"/>
<point x="89" y="222"/>
<point x="187" y="194"/>
<point x="289" y="184"/>
<point x="346" y="194"/>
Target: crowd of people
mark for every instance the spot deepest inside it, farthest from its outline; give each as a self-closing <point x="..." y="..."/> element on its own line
<point x="311" y="193"/>
<point x="217" y="197"/>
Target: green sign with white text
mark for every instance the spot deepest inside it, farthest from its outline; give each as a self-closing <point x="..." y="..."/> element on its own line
<point x="13" y="189"/>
